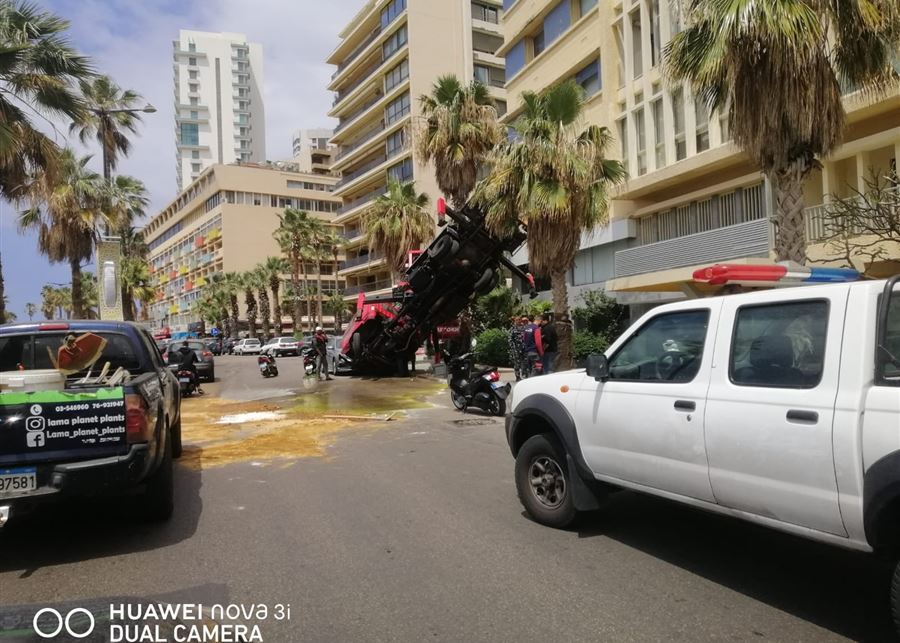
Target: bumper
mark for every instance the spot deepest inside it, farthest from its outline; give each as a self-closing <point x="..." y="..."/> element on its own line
<point x="110" y="475"/>
<point x="510" y="428"/>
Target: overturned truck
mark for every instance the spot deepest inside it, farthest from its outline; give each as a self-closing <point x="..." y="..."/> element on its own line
<point x="462" y="262"/>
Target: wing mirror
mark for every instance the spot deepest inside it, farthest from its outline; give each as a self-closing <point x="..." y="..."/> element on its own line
<point x="598" y="367"/>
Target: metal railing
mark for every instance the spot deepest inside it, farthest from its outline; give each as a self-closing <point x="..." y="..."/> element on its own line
<point x="360" y="260"/>
<point x="817" y="218"/>
<point x="366" y="76"/>
<point x="360" y="200"/>
<point x="356" y="52"/>
<point x="346" y="121"/>
<point x="368" y="167"/>
<point x="352" y="233"/>
<point x="381" y="284"/>
<point x="347" y="149"/>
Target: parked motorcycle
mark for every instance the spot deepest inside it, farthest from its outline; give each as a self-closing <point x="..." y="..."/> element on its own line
<point x="310" y="361"/>
<point x="187" y="381"/>
<point x="481" y="389"/>
<point x="267" y="366"/>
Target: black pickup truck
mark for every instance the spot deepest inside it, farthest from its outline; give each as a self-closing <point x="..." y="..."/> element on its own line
<point x="89" y="439"/>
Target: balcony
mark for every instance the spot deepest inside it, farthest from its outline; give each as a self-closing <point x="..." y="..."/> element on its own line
<point x="365" y="77"/>
<point x="349" y="119"/>
<point x="365" y="138"/>
<point x="360" y="261"/>
<point x="349" y="177"/>
<point x="352" y="233"/>
<point x="356" y="52"/>
<point x="381" y="284"/>
<point x="750" y="239"/>
<point x="358" y="201"/>
<point x="817" y="220"/>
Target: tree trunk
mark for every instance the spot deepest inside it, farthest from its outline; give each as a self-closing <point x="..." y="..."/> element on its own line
<point x="275" y="284"/>
<point x="250" y="300"/>
<point x="264" y="312"/>
<point x="77" y="303"/>
<point x="295" y="286"/>
<point x="127" y="301"/>
<point x="561" y="312"/>
<point x="319" y="292"/>
<point x="235" y="315"/>
<point x="2" y="296"/>
<point x="309" y="306"/>
<point x="790" y="220"/>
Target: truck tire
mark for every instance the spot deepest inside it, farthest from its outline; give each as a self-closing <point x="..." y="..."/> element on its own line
<point x="446" y="247"/>
<point x="544" y="483"/>
<point x="158" y="499"/>
<point x="175" y="432"/>
<point x="485" y="282"/>
<point x="895" y="597"/>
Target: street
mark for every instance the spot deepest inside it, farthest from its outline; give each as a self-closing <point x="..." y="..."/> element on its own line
<point x="411" y="530"/>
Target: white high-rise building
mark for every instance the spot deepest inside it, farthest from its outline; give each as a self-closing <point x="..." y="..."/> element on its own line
<point x="220" y="116"/>
<point x="309" y="144"/>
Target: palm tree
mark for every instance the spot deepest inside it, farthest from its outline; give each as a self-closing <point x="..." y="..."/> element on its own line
<point x="459" y="131"/>
<point x="220" y="297"/>
<point x="66" y="210"/>
<point x="127" y="200"/>
<point x="778" y="68"/>
<point x="2" y="294"/>
<point x="337" y="306"/>
<point x="554" y="177"/>
<point x="247" y="283"/>
<point x="261" y="282"/>
<point x="90" y="295"/>
<point x="9" y="317"/>
<point x="30" y="310"/>
<point x="102" y="120"/>
<point x="48" y="302"/>
<point x="293" y="236"/>
<point x="398" y="222"/>
<point x="231" y="286"/>
<point x="273" y="268"/>
<point x="38" y="73"/>
<point x="63" y="300"/>
<point x="290" y="300"/>
<point x="325" y="245"/>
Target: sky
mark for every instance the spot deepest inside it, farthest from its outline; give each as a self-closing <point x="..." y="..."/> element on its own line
<point x="131" y="40"/>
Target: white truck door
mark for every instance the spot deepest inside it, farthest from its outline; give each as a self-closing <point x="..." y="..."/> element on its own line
<point x="770" y="409"/>
<point x="645" y="424"/>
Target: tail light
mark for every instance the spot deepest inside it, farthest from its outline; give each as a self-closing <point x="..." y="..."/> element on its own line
<point x="442" y="212"/>
<point x="137" y="421"/>
<point x="493" y="376"/>
<point x="206" y="354"/>
<point x="53" y="327"/>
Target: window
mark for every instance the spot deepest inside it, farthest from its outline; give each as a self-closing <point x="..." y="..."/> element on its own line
<point x="678" y="119"/>
<point x="394" y="43"/>
<point x="483" y="74"/>
<point x="589" y="79"/>
<point x="637" y="50"/>
<point x="195" y="114"/>
<point x="702" y="119"/>
<point x="668" y="348"/>
<point x="212" y="202"/>
<point x="640" y="131"/>
<point x="396" y="76"/>
<point x="195" y="168"/>
<point x="195" y="154"/>
<point x="390" y="12"/>
<point x="655" y="37"/>
<point x="192" y="74"/>
<point x="659" y="132"/>
<point x="402" y="171"/>
<point x="888" y="372"/>
<point x="537" y="44"/>
<point x="192" y="61"/>
<point x="586" y="6"/>
<point x="556" y="23"/>
<point x="192" y="46"/>
<point x="484" y="13"/>
<point x="622" y="126"/>
<point x="395" y="143"/>
<point x="193" y="87"/>
<point x="620" y="49"/>
<point x="779" y="345"/>
<point x="515" y="59"/>
<point x="396" y="109"/>
<point x="190" y="134"/>
<point x="195" y="100"/>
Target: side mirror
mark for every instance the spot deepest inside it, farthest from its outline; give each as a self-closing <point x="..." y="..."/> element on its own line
<point x="598" y="367"/>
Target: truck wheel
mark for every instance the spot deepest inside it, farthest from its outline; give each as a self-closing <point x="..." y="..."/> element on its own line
<point x="445" y="247"/>
<point x="356" y="345"/>
<point x="485" y="282"/>
<point x="175" y="432"/>
<point x="543" y="482"/>
<point x="158" y="500"/>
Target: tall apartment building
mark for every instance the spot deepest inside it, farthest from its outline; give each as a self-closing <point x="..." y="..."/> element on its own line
<point x="224" y="221"/>
<point x="219" y="111"/>
<point x="390" y="54"/>
<point x="692" y="198"/>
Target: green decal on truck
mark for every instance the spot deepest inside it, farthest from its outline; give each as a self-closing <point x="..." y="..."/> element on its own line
<point x="61" y="397"/>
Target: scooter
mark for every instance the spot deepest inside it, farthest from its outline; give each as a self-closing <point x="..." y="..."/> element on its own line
<point x="187" y="381"/>
<point x="481" y="389"/>
<point x="310" y="361"/>
<point x="267" y="366"/>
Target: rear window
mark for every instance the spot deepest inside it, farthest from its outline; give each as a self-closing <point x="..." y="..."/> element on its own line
<point x="252" y="341"/>
<point x="33" y="351"/>
<point x="892" y="340"/>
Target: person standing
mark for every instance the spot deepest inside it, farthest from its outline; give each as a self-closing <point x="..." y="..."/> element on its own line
<point x="320" y="342"/>
<point x="549" y="344"/>
<point x="516" y="354"/>
<point x="529" y="345"/>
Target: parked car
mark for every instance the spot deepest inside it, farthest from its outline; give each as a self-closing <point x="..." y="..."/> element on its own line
<point x="206" y="366"/>
<point x="338" y="362"/>
<point x="249" y="346"/>
<point x="778" y="407"/>
<point x="214" y="346"/>
<point x="127" y="434"/>
<point x="280" y="346"/>
<point x="228" y="346"/>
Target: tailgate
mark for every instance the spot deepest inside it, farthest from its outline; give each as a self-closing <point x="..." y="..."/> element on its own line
<point x="50" y="426"/>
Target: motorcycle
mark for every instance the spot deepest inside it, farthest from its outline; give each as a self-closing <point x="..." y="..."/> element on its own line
<point x="267" y="366"/>
<point x="187" y="381"/>
<point x="481" y="389"/>
<point x="310" y="361"/>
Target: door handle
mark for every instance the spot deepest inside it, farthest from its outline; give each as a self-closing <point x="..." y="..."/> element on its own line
<point x="803" y="417"/>
<point x="685" y="405"/>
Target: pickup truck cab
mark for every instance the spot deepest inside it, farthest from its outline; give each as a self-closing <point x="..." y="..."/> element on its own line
<point x="780" y="407"/>
<point x="89" y="438"/>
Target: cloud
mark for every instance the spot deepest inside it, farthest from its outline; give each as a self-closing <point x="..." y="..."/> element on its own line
<point x="131" y="41"/>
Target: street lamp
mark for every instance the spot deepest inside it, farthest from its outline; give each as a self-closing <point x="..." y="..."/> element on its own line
<point x="146" y="109"/>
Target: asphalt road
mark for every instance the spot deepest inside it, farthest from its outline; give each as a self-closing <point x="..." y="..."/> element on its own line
<point x="414" y="533"/>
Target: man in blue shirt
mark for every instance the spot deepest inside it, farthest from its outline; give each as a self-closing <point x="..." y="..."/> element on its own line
<point x="529" y="346"/>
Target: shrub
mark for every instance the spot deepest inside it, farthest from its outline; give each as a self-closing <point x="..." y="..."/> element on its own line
<point x="600" y="315"/>
<point x="583" y="344"/>
<point x="492" y="348"/>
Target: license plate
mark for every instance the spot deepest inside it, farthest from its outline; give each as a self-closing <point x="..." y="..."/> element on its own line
<point x="17" y="480"/>
<point x="184" y="380"/>
<point x="262" y="367"/>
<point x="496" y="385"/>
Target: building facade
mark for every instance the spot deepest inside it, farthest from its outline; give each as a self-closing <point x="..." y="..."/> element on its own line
<point x="224" y="221"/>
<point x="391" y="53"/>
<point x="219" y="110"/>
<point x="313" y="151"/>
<point x="692" y="197"/>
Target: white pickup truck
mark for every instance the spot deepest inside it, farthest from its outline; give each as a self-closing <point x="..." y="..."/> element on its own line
<point x="781" y="407"/>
